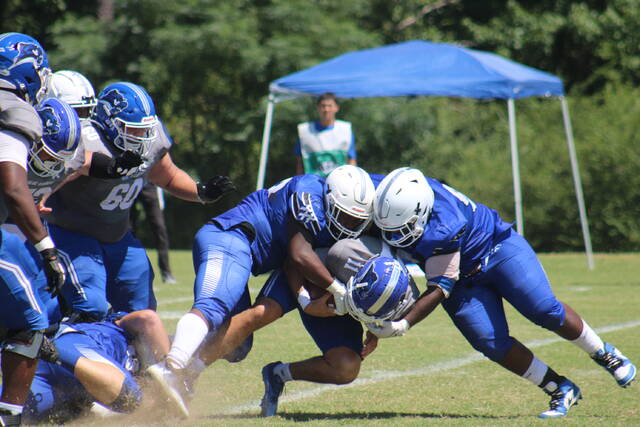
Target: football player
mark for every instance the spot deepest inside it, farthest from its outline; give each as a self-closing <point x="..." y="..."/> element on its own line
<point x="96" y="362"/>
<point x="89" y="216"/>
<point x="473" y="259"/>
<point x="289" y="219"/>
<point x="24" y="70"/>
<point x="378" y="288"/>
<point x="75" y="89"/>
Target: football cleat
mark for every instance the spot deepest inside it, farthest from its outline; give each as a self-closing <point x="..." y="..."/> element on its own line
<point x="616" y="364"/>
<point x="171" y="385"/>
<point x="273" y="387"/>
<point x="566" y="395"/>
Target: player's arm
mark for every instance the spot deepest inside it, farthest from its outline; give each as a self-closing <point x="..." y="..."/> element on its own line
<point x="165" y="174"/>
<point x="15" y="189"/>
<point x="305" y="259"/>
<point x="317" y="306"/>
<point x="443" y="271"/>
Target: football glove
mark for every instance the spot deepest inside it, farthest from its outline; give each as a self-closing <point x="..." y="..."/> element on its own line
<point x="214" y="188"/>
<point x="125" y="163"/>
<point x="389" y="328"/>
<point x="339" y="291"/>
<point x="54" y="270"/>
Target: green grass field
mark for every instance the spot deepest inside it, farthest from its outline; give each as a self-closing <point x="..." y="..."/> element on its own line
<point x="431" y="376"/>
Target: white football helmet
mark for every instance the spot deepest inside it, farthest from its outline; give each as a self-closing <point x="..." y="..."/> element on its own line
<point x="348" y="196"/>
<point x="404" y="200"/>
<point x="73" y="88"/>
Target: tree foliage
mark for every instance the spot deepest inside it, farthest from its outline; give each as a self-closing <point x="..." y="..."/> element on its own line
<point x="208" y="65"/>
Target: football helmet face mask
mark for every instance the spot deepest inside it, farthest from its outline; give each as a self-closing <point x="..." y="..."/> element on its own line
<point x="381" y="290"/>
<point x="126" y="115"/>
<point x="348" y="195"/>
<point x="24" y="67"/>
<point x="60" y="138"/>
<point x="404" y="200"/>
<point x="74" y="89"/>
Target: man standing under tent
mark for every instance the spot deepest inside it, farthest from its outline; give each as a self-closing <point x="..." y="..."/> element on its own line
<point x="327" y="143"/>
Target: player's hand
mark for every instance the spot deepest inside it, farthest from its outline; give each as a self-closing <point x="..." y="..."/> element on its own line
<point x="125" y="163"/>
<point x="54" y="270"/>
<point x="320" y="307"/>
<point x="214" y="188"/>
<point x="340" y="304"/>
<point x="389" y="328"/>
<point x="42" y="209"/>
<point x="370" y="344"/>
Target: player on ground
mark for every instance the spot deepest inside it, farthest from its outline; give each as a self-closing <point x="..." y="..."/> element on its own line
<point x="378" y="288"/>
<point x="256" y="236"/>
<point x="89" y="216"/>
<point x="473" y="259"/>
<point x="96" y="362"/>
<point x="23" y="73"/>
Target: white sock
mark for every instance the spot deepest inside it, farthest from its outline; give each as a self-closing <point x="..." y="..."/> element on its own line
<point x="190" y="332"/>
<point x="282" y="370"/>
<point x="588" y="340"/>
<point x="14" y="409"/>
<point x="536" y="371"/>
<point x="196" y="366"/>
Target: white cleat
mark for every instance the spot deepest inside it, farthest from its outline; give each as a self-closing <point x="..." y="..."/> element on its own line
<point x="171" y="385"/>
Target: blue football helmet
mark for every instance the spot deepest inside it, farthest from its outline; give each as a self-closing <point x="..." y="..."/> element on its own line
<point x="380" y="290"/>
<point x="24" y="67"/>
<point x="126" y="115"/>
<point x="60" y="138"/>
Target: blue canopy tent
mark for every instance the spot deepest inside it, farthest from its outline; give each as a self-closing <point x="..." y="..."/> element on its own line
<point x="421" y="68"/>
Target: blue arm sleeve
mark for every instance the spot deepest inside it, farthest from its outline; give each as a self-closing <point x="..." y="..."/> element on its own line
<point x="352" y="147"/>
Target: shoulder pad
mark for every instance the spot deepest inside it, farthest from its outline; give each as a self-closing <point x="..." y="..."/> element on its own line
<point x="304" y="210"/>
<point x="18" y="116"/>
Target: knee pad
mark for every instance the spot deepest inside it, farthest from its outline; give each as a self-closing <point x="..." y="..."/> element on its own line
<point x="129" y="398"/>
<point x="24" y="343"/>
<point x="240" y="352"/>
<point x="548" y="313"/>
<point x="494" y="349"/>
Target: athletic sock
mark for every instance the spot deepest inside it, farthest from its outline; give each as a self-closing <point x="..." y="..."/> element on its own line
<point x="190" y="332"/>
<point x="282" y="370"/>
<point x="542" y="375"/>
<point x="588" y="340"/>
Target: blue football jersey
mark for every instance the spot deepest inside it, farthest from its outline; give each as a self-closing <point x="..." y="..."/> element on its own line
<point x="457" y="223"/>
<point x="110" y="339"/>
<point x="269" y="211"/>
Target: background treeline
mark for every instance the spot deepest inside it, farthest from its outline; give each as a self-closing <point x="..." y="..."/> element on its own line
<point x="208" y="64"/>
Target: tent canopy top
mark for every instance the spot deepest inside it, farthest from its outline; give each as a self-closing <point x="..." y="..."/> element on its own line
<point x="419" y="68"/>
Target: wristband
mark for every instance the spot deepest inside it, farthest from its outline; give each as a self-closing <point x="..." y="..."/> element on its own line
<point x="45" y="243"/>
<point x="304" y="298"/>
<point x="336" y="288"/>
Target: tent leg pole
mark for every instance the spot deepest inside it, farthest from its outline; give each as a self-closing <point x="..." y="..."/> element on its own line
<point x="577" y="183"/>
<point x="266" y="136"/>
<point x="515" y="166"/>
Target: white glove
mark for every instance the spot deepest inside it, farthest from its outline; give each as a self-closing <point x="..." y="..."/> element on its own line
<point x="389" y="329"/>
<point x="337" y="288"/>
<point x="340" y="304"/>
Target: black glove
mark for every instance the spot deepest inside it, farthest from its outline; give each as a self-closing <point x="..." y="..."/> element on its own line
<point x="54" y="270"/>
<point x="105" y="167"/>
<point x="125" y="163"/>
<point x="214" y="188"/>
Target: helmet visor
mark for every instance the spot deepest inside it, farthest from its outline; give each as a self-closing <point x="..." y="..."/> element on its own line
<point x="402" y="236"/>
<point x="43" y="163"/>
<point x="343" y="225"/>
